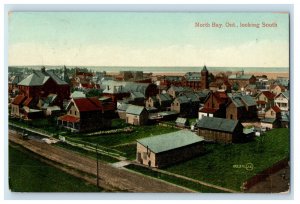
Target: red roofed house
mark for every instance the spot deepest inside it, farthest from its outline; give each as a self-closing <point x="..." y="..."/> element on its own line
<point x="17" y="104"/>
<point x="86" y="114"/>
<point x="265" y="100"/>
<point x="215" y="105"/>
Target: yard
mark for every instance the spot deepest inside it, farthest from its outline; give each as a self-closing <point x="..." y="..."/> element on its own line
<point x="28" y="174"/>
<point x="222" y="164"/>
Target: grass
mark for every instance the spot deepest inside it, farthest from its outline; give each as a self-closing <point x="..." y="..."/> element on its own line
<point x="172" y="179"/>
<point x="128" y="149"/>
<point x="123" y="138"/>
<point x="217" y="166"/>
<point x="84" y="152"/>
<point x="28" y="174"/>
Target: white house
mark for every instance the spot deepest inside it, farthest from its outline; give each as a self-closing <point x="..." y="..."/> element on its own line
<point x="282" y="101"/>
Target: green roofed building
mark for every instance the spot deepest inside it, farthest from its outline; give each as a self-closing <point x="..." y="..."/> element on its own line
<point x="166" y="149"/>
<point x="136" y="115"/>
<point x="220" y="130"/>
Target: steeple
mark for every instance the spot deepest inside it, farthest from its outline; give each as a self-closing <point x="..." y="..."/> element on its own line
<point x="204" y="68"/>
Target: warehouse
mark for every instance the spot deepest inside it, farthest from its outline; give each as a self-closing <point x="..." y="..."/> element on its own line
<point x="166" y="149"/>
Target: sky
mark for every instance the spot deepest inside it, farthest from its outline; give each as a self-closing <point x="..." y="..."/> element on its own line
<point x="147" y="39"/>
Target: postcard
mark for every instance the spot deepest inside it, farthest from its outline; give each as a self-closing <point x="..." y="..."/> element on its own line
<point x="193" y="102"/>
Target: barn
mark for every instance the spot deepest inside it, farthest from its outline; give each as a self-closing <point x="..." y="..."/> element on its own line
<point x="166" y="149"/>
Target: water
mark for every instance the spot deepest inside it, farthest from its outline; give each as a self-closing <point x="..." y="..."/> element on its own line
<point x="174" y="69"/>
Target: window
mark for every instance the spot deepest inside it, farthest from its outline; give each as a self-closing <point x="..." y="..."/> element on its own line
<point x="71" y="112"/>
<point x="231" y="116"/>
<point x="272" y="113"/>
<point x="75" y="112"/>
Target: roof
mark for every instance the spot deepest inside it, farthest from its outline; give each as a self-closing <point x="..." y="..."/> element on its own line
<point x="204" y="68"/>
<point x="208" y="110"/>
<point x="182" y="99"/>
<point x="268" y="120"/>
<point x="248" y="100"/>
<point x="39" y="78"/>
<point x="164" y="97"/>
<point x="193" y="76"/>
<point x="268" y="94"/>
<point x="285" y="94"/>
<point x="240" y="77"/>
<point x="50" y="98"/>
<point x="88" y="104"/>
<point x="276" y="109"/>
<point x="69" y="118"/>
<point x="237" y="101"/>
<point x="19" y="99"/>
<point x="27" y="101"/>
<point x="170" y="141"/>
<point x="78" y="94"/>
<point x="221" y="124"/>
<point x="192" y="96"/>
<point x="181" y="120"/>
<point x="135" y="110"/>
<point x="123" y="107"/>
<point x="136" y="94"/>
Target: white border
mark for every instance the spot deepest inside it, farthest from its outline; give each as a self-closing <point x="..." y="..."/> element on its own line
<point x="186" y="8"/>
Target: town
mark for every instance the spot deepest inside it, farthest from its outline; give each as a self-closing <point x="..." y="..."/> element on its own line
<point x="192" y="130"/>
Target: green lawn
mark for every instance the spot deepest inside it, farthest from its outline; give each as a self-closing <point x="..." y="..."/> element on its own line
<point x="129" y="150"/>
<point x="216" y="166"/>
<point x="123" y="138"/>
<point x="28" y="174"/>
<point x="84" y="152"/>
<point x="172" y="179"/>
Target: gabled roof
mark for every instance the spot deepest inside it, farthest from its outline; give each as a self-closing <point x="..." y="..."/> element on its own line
<point x="193" y="76"/>
<point x="19" y="99"/>
<point x="276" y="109"/>
<point x="268" y="94"/>
<point x="219" y="124"/>
<point x="193" y="97"/>
<point x="78" y="94"/>
<point x="170" y="141"/>
<point x="136" y="94"/>
<point x="39" y="78"/>
<point x="285" y="94"/>
<point x="123" y="107"/>
<point x="237" y="101"/>
<point x="248" y="100"/>
<point x="88" y="104"/>
<point x="182" y="99"/>
<point x="164" y="97"/>
<point x="135" y="110"/>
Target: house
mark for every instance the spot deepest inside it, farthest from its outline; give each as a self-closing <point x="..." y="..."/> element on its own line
<point x="214" y="105"/>
<point x="181" y="122"/>
<point x="272" y="118"/>
<point x="166" y="149"/>
<point x="220" y="130"/>
<point x="136" y="115"/>
<point x="282" y="101"/>
<point x="13" y="84"/>
<point x="194" y="103"/>
<point x="16" y="105"/>
<point x="241" y="107"/>
<point x="265" y="100"/>
<point x="164" y="101"/>
<point x="42" y="83"/>
<point x="85" y="114"/>
<point x="121" y="109"/>
<point x="277" y="89"/>
<point x="174" y="91"/>
<point x="240" y="80"/>
<point x="181" y="105"/>
<point x="151" y="102"/>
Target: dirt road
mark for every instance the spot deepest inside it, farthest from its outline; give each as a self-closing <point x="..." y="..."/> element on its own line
<point x="111" y="176"/>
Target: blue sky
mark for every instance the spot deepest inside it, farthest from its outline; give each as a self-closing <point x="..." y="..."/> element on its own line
<point x="146" y="39"/>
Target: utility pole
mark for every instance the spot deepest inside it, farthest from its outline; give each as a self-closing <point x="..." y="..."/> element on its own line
<point x="97" y="166"/>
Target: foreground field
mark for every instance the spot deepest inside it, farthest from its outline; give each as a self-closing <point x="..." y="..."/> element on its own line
<point x="27" y="174"/>
<point x="220" y="165"/>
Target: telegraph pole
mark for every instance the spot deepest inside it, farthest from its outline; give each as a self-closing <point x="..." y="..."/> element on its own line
<point x="97" y="166"/>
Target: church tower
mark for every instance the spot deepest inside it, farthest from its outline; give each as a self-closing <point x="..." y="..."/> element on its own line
<point x="204" y="78"/>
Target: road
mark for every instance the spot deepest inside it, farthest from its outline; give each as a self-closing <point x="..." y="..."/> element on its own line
<point x="117" y="178"/>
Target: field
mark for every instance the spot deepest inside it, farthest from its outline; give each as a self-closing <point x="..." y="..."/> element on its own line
<point x="220" y="165"/>
<point x="28" y="174"/>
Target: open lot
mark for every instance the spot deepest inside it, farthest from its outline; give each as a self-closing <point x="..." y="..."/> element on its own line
<point x="221" y="165"/>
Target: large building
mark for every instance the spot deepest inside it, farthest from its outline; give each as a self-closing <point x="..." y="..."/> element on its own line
<point x="41" y="83"/>
<point x="220" y="130"/>
<point x="166" y="149"/>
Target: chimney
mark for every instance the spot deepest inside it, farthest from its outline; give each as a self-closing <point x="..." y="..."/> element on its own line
<point x="43" y="69"/>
